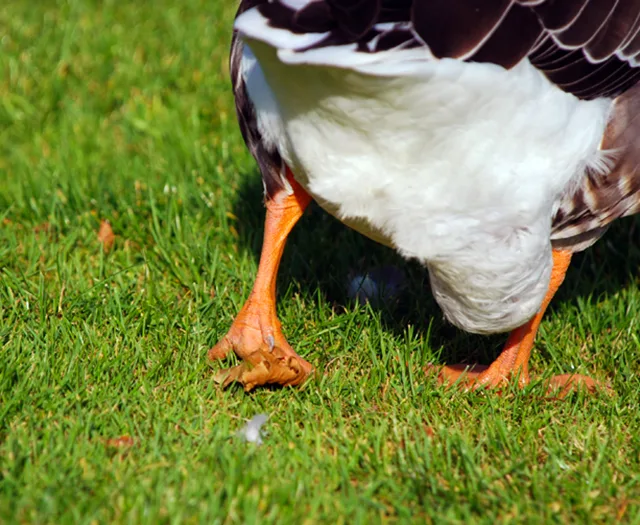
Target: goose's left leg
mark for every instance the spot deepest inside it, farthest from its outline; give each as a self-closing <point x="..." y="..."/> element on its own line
<point x="255" y="335"/>
<point x="514" y="359"/>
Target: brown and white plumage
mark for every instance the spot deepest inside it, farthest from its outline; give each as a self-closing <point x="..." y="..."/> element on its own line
<point x="473" y="135"/>
<point x="587" y="48"/>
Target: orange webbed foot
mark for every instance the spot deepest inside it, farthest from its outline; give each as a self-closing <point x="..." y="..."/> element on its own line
<point x="268" y="359"/>
<point x="476" y="377"/>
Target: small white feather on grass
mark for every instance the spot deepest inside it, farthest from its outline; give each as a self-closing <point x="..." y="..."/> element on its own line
<point x="252" y="432"/>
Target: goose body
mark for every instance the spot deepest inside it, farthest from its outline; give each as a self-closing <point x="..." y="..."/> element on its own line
<point x="475" y="137"/>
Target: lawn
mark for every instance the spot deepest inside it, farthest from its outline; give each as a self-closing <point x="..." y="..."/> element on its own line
<point x="122" y="111"/>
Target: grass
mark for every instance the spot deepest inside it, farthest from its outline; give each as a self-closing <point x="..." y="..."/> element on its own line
<point x="108" y="412"/>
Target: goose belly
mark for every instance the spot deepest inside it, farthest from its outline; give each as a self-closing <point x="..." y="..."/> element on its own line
<point x="459" y="165"/>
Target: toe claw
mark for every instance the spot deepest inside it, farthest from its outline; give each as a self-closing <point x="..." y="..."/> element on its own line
<point x="220" y="350"/>
<point x="271" y="342"/>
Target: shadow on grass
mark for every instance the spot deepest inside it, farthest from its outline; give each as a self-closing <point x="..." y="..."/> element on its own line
<point x="322" y="253"/>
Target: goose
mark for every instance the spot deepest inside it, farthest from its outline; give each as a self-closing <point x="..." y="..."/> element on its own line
<point x="487" y="139"/>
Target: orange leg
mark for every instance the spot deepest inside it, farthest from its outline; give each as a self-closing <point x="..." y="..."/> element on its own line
<point x="256" y="335"/>
<point x="514" y="359"/>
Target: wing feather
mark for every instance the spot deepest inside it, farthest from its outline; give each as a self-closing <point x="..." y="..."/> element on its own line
<point x="613" y="34"/>
<point x="586" y="47"/>
<point x="556" y="16"/>
<point x="457" y="29"/>
<point x="592" y="18"/>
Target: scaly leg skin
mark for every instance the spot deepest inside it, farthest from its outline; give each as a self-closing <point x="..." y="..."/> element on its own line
<point x="255" y="335"/>
<point x="514" y="359"/>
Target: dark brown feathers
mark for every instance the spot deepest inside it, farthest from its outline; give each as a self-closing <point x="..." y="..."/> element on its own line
<point x="594" y="43"/>
<point x="519" y="26"/>
<point x="457" y="29"/>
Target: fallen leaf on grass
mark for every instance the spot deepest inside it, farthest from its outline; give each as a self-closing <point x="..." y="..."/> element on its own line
<point x="106" y="236"/>
<point x="428" y="430"/>
<point x="622" y="509"/>
<point x="43" y="227"/>
<point x="120" y="442"/>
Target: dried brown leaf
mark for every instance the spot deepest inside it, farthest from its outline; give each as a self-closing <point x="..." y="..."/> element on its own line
<point x="44" y="227"/>
<point x="106" y="236"/>
<point x="120" y="442"/>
